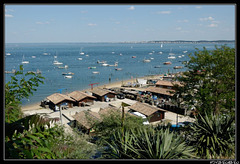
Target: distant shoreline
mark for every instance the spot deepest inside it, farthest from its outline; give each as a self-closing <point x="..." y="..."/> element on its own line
<point x="138" y="42"/>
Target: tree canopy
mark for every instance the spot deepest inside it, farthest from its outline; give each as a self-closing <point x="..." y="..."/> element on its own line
<point x="209" y="83"/>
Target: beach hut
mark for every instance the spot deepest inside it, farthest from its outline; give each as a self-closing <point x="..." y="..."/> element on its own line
<point x="152" y="113"/>
<point x="167" y="84"/>
<point x="103" y="94"/>
<point x="58" y="100"/>
<point x="160" y="92"/>
<point x="85" y="121"/>
<point x="81" y="98"/>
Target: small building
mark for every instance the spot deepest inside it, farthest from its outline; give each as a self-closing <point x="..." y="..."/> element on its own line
<point x="142" y="82"/>
<point x="102" y="94"/>
<point x="152" y="113"/>
<point x="167" y="84"/>
<point x="85" y="121"/>
<point x="160" y="92"/>
<point x="109" y="110"/>
<point x="81" y="98"/>
<point x="58" y="100"/>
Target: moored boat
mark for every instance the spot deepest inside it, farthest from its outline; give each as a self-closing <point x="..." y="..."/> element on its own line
<point x="68" y="76"/>
<point x="68" y="73"/>
<point x="104" y="64"/>
<point x="65" y="67"/>
<point x="92" y="67"/>
<point x="167" y="63"/>
<point x="146" y="60"/>
<point x="24" y="62"/>
<point x="177" y="67"/>
<point x="118" y="69"/>
<point x="101" y="62"/>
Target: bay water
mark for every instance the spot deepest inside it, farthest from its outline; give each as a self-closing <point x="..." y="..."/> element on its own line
<point x="68" y="54"/>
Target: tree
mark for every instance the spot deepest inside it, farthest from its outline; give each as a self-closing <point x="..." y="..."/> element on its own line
<point x="32" y="137"/>
<point x="16" y="89"/>
<point x="209" y="83"/>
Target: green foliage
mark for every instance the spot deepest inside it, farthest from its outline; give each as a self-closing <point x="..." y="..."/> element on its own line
<point x="32" y="137"/>
<point x="213" y="136"/>
<point x="112" y="121"/>
<point x="210" y="82"/>
<point x="147" y="143"/>
<point x="18" y="88"/>
<point x="29" y="138"/>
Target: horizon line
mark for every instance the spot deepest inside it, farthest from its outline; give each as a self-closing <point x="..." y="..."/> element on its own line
<point x="151" y="41"/>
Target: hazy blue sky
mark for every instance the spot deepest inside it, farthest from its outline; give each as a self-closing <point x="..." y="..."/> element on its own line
<point x="113" y="23"/>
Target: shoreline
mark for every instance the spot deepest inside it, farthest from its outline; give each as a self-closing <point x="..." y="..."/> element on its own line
<point x="36" y="105"/>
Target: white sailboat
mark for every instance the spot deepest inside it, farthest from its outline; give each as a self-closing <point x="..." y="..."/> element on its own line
<point x="55" y="62"/>
<point x="161" y="45"/>
<point x="81" y="53"/>
<point x="171" y="55"/>
<point x="24" y="62"/>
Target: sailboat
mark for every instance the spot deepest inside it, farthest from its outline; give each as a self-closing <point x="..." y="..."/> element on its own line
<point x="161" y="45"/>
<point x="81" y="53"/>
<point x="55" y="62"/>
<point x="24" y="62"/>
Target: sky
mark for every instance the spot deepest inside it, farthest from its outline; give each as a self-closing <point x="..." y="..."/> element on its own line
<point x="118" y="23"/>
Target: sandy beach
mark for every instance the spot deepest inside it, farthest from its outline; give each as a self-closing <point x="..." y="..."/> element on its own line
<point x="36" y="106"/>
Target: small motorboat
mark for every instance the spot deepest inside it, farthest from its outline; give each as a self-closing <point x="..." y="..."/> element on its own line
<point x="146" y="60"/>
<point x="133" y="56"/>
<point x="167" y="63"/>
<point x="101" y="62"/>
<point x="104" y="64"/>
<point x="68" y="76"/>
<point x="118" y="69"/>
<point x="177" y="67"/>
<point x="171" y="57"/>
<point x="95" y="72"/>
<point x="68" y="73"/>
<point x="92" y="67"/>
<point x="57" y="63"/>
<point x="65" y="67"/>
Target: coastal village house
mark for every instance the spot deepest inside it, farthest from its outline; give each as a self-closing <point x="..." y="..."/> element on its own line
<point x="152" y="113"/>
<point x="163" y="89"/>
<point x="167" y="84"/>
<point x="81" y="98"/>
<point x="85" y="120"/>
<point x="160" y="92"/>
<point x="101" y="94"/>
<point x="58" y="100"/>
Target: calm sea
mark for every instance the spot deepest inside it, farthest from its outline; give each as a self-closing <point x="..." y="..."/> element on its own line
<point x="68" y="54"/>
